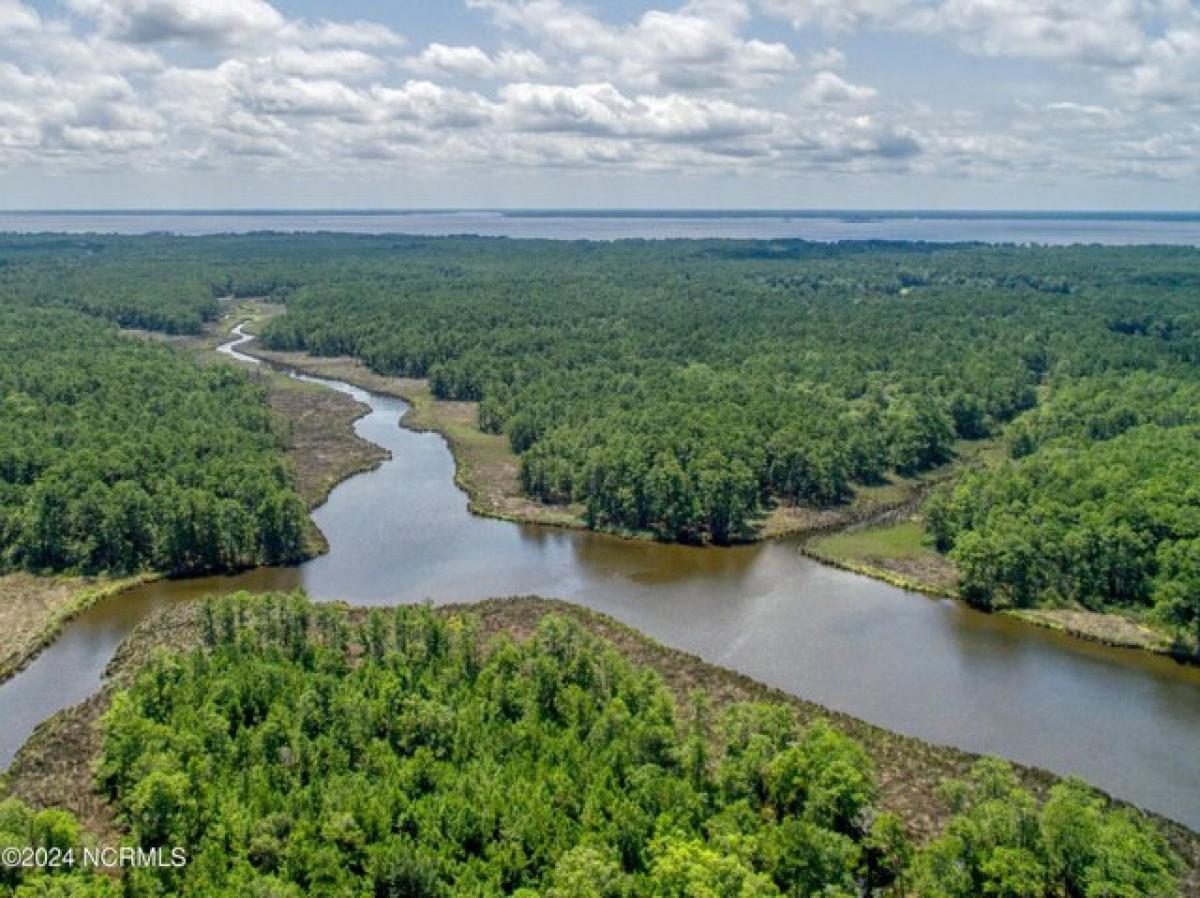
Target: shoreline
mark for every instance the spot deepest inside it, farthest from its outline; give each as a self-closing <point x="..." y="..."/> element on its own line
<point x="1144" y="639"/>
<point x="883" y="575"/>
<point x="682" y="654"/>
<point x="428" y="415"/>
<point x="422" y="417"/>
<point x="53" y="767"/>
<point x="334" y="424"/>
<point x="1111" y="629"/>
<point x="472" y="449"/>
<point x="79" y="601"/>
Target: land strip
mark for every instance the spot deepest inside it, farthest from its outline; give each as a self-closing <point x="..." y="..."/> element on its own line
<point x="878" y="534"/>
<point x="34" y="609"/>
<point x="898" y="552"/>
<point x="486" y="468"/>
<point x="320" y="443"/>
<point x="875" y="503"/>
<point x="1109" y="629"/>
<point x="55" y="767"/>
<point x="893" y="552"/>
<point x="316" y="423"/>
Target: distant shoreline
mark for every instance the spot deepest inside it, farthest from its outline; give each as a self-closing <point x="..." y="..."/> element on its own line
<point x="665" y="212"/>
<point x="920" y="226"/>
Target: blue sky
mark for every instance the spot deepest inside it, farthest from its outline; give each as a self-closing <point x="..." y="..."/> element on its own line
<point x="509" y="103"/>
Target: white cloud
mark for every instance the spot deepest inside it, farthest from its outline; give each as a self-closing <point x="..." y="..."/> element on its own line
<point x="341" y="63"/>
<point x="602" y="109"/>
<point x="215" y="22"/>
<point x="301" y="97"/>
<point x="473" y="62"/>
<point x="838" y="15"/>
<point x="453" y="60"/>
<point x="235" y="85"/>
<point x="16" y="16"/>
<point x="343" y="34"/>
<point x="1169" y="72"/>
<point x="1092" y="32"/>
<point x="830" y="58"/>
<point x="1071" y="109"/>
<point x="1107" y="33"/>
<point x="433" y="106"/>
<point x="829" y="87"/>
<point x="697" y="46"/>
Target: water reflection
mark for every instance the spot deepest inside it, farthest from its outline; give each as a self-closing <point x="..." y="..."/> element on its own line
<point x="927" y="667"/>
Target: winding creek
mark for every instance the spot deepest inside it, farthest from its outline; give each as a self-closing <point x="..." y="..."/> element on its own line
<point x="1128" y="722"/>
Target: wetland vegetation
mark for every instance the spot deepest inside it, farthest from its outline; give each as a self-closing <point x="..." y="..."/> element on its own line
<point x="694" y="390"/>
<point x="698" y="391"/>
<point x="690" y="388"/>
<point x="514" y="750"/>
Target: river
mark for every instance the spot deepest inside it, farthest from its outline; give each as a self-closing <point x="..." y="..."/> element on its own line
<point x="932" y="668"/>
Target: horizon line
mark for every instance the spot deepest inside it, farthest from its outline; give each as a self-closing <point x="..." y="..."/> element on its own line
<point x="578" y="210"/>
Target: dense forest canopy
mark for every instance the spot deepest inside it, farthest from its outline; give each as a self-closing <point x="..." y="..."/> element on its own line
<point x="1099" y="506"/>
<point x="686" y="387"/>
<point x="118" y="455"/>
<point x="682" y="387"/>
<point x="305" y="752"/>
<point x="136" y="283"/>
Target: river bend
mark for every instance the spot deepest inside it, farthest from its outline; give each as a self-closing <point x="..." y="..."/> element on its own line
<point x="931" y="668"/>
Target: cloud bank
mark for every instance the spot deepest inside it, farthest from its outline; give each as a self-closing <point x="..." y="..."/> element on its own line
<point x="769" y="89"/>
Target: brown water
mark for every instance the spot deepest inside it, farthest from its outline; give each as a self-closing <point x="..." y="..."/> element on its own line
<point x="1128" y="722"/>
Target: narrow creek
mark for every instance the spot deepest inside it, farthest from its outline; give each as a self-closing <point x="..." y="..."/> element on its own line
<point x="1125" y="721"/>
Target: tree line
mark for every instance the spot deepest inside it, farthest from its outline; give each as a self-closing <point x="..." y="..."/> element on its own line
<point x="132" y="281"/>
<point x="1098" y="506"/>
<point x="118" y="455"/>
<point x="306" y="752"/>
<point x="685" y="388"/>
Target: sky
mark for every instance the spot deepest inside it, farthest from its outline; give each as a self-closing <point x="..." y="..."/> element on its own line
<point x="875" y="104"/>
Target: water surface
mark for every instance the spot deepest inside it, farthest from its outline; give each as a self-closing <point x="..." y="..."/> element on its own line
<point x="1180" y="228"/>
<point x="1125" y="721"/>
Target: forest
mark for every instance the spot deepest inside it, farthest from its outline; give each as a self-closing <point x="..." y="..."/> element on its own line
<point x="685" y="388"/>
<point x="118" y="455"/>
<point x="306" y="751"/>
<point x="682" y="388"/>
<point x="1099" y="505"/>
<point x="135" y="283"/>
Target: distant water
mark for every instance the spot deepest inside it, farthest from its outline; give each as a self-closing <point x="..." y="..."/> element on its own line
<point x="1052" y="228"/>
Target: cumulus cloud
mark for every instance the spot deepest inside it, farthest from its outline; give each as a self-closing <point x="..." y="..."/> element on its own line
<point x="16" y="16"/>
<point x="1094" y="32"/>
<point x="155" y="21"/>
<point x="1107" y="33"/>
<point x="603" y="109"/>
<point x="1169" y="71"/>
<point x="692" y="86"/>
<point x="829" y="87"/>
<point x="343" y="34"/>
<point x="837" y="15"/>
<point x="473" y="62"/>
<point x="433" y="106"/>
<point x="341" y="63"/>
<point x="696" y="46"/>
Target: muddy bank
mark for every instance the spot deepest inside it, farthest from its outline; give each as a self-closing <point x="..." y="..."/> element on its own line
<point x="54" y="768"/>
<point x="34" y="610"/>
